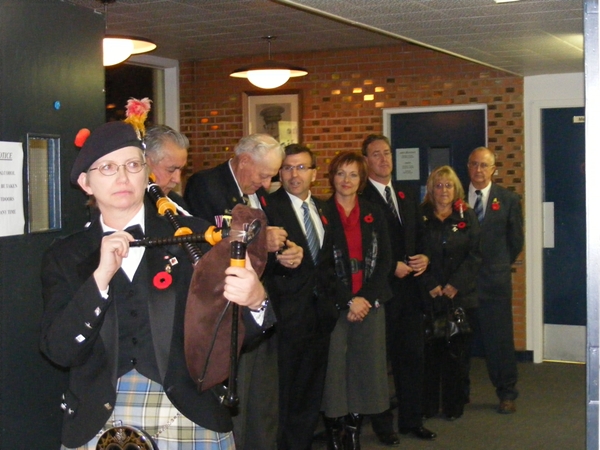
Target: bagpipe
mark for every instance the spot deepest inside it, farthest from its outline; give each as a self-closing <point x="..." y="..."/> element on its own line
<point x="213" y="327"/>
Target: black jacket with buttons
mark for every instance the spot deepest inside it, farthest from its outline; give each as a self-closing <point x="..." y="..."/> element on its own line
<point x="80" y="329"/>
<point x="454" y="256"/>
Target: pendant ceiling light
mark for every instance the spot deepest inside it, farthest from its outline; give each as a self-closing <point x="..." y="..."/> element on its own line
<point x="269" y="74"/>
<point x="117" y="49"/>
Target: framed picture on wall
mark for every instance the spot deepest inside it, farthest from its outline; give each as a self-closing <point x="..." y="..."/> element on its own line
<point x="276" y="114"/>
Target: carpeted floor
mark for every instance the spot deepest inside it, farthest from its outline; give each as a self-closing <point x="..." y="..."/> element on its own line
<point x="550" y="414"/>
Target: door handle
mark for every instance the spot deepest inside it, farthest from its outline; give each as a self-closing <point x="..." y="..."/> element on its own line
<point x="548" y="224"/>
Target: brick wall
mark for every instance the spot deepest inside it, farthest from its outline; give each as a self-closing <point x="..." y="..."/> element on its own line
<point x="341" y="101"/>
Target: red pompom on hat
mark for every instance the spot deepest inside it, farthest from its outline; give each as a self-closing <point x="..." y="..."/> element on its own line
<point x="103" y="140"/>
<point x="81" y="137"/>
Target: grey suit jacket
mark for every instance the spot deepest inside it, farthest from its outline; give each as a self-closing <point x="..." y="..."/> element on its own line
<point x="501" y="242"/>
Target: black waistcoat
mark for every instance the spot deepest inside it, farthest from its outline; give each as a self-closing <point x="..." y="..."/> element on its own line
<point x="136" y="349"/>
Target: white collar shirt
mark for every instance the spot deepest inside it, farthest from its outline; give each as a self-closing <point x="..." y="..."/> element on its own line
<point x="314" y="214"/>
<point x="485" y="194"/>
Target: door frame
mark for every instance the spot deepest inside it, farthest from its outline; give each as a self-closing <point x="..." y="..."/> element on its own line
<point x="170" y="69"/>
<point x="534" y="248"/>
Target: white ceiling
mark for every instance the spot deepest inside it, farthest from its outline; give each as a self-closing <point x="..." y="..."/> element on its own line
<point x="528" y="37"/>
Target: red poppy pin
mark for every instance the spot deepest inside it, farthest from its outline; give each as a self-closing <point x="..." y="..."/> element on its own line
<point x="369" y="218"/>
<point x="162" y="280"/>
<point x="460" y="206"/>
<point x="401" y="195"/>
<point x="459" y="226"/>
<point x="263" y="201"/>
<point x="496" y="205"/>
<point x="323" y="218"/>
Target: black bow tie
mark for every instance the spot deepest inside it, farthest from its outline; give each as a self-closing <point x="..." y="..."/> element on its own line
<point x="134" y="230"/>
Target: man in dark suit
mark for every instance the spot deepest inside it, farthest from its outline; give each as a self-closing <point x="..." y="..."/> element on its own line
<point x="166" y="156"/>
<point x="114" y="314"/>
<point x="212" y="194"/>
<point x="404" y="315"/>
<point x="501" y="218"/>
<point x="303" y="298"/>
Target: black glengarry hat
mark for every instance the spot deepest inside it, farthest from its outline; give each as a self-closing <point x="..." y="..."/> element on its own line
<point x="105" y="139"/>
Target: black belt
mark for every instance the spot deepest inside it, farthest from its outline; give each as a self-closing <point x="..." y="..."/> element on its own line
<point x="356" y="265"/>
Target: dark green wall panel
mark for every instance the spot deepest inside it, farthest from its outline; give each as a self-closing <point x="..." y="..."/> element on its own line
<point x="49" y="51"/>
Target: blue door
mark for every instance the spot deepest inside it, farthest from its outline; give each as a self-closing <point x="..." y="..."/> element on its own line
<point x="563" y="149"/>
<point x="445" y="136"/>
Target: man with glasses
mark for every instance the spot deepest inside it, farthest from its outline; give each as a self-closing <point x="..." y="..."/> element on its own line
<point x="501" y="219"/>
<point x="303" y="297"/>
<point x="114" y="314"/>
<point x="403" y="312"/>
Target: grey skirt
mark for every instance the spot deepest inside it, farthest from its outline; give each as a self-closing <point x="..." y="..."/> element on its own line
<point x="356" y="380"/>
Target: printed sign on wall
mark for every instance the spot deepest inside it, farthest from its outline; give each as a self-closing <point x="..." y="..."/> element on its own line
<point x="12" y="218"/>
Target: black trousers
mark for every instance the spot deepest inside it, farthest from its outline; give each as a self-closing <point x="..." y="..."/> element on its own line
<point x="405" y="347"/>
<point x="447" y="373"/>
<point x="302" y="369"/>
<point x="494" y="326"/>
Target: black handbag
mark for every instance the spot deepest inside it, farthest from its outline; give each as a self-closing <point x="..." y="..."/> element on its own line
<point x="446" y="322"/>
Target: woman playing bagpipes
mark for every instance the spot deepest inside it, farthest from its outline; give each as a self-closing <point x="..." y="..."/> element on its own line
<point x="114" y="314"/>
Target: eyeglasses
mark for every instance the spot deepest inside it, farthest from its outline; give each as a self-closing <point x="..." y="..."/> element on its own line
<point x="482" y="166"/>
<point x="110" y="169"/>
<point x="441" y="186"/>
<point x="299" y="168"/>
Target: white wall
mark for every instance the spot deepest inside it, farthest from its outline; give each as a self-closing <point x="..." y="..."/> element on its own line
<point x="543" y="91"/>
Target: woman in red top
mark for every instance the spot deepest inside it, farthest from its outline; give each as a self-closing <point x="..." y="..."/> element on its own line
<point x="356" y="382"/>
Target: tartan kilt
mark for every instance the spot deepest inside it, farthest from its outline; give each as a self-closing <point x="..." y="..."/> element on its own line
<point x="143" y="404"/>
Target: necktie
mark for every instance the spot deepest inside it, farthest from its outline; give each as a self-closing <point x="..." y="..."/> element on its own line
<point x="390" y="203"/>
<point x="246" y="200"/>
<point x="478" y="208"/>
<point x="311" y="233"/>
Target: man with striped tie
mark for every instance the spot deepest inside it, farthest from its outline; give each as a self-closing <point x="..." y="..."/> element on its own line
<point x="303" y="298"/>
<point x="403" y="313"/>
<point x="501" y="218"/>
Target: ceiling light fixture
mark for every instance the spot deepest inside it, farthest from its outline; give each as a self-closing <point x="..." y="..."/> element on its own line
<point x="269" y="74"/>
<point x="117" y="49"/>
<point x="506" y="1"/>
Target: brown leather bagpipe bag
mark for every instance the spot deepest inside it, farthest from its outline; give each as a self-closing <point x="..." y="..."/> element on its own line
<point x="208" y="317"/>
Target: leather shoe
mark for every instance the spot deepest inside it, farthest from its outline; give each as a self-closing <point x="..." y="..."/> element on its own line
<point x="420" y="432"/>
<point x="507" y="407"/>
<point x="390" y="439"/>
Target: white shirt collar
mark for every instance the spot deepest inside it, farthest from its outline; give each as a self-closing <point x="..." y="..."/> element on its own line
<point x="485" y="191"/>
<point x="138" y="219"/>
<point x="297" y="201"/>
<point x="381" y="187"/>
<point x="132" y="261"/>
<point x="253" y="198"/>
